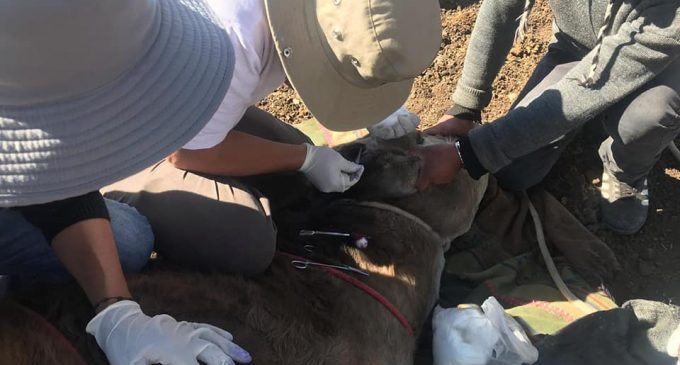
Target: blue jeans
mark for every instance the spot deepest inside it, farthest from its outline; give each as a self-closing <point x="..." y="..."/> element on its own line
<point x="25" y="253"/>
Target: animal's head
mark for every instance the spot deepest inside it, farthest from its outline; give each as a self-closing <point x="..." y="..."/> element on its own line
<point x="390" y="176"/>
<point x="389" y="170"/>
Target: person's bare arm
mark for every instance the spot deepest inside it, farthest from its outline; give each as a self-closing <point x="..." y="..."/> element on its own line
<point x="88" y="251"/>
<point x="241" y="154"/>
<point x="79" y="231"/>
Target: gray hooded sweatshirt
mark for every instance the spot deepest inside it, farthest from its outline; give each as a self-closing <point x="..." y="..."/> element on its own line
<point x="642" y="41"/>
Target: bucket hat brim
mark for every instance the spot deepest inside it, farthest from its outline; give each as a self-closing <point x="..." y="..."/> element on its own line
<point x="68" y="148"/>
<point x="335" y="102"/>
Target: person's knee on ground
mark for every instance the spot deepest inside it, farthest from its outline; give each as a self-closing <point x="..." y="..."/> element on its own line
<point x="30" y="258"/>
<point x="227" y="230"/>
<point x="203" y="222"/>
<point x="246" y="248"/>
<point x="252" y="250"/>
<point x="640" y="128"/>
<point x="133" y="235"/>
<point x="24" y="249"/>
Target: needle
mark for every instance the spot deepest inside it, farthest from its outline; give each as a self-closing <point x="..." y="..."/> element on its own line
<point x="306" y="232"/>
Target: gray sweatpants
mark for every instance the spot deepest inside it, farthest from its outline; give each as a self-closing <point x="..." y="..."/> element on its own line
<point x="216" y="223"/>
<point x="640" y="126"/>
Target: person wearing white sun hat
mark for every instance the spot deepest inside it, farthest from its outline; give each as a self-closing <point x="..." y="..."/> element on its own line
<point x="91" y="92"/>
<point x="352" y="63"/>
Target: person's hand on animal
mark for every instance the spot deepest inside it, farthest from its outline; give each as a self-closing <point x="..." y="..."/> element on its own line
<point x="397" y="124"/>
<point x="128" y="336"/>
<point x="441" y="164"/>
<point x="451" y="126"/>
<point x="329" y="171"/>
<point x="673" y="347"/>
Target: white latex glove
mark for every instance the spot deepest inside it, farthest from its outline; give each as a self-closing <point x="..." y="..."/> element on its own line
<point x="397" y="124"/>
<point x="329" y="171"/>
<point x="130" y="337"/>
<point x="673" y="347"/>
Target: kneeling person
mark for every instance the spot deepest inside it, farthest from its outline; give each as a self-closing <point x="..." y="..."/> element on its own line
<point x="352" y="63"/>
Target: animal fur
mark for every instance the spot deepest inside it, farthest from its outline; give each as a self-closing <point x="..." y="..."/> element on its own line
<point x="299" y="317"/>
<point x="27" y="338"/>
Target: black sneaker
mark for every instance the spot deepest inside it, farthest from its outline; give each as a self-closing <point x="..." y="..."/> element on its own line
<point x="624" y="207"/>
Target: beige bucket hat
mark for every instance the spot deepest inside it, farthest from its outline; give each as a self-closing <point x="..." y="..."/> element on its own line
<point x="353" y="61"/>
<point x="94" y="91"/>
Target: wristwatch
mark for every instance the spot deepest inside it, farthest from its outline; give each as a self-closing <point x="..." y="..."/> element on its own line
<point x="469" y="158"/>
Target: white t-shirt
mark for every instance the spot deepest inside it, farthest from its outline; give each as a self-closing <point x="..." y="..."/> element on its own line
<point x="257" y="68"/>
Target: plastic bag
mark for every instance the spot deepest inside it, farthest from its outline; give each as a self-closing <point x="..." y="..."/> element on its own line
<point x="474" y="336"/>
<point x="673" y="347"/>
<point x="462" y="337"/>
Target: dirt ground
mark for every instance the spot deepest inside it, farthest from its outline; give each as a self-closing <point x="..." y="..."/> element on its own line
<point x="651" y="258"/>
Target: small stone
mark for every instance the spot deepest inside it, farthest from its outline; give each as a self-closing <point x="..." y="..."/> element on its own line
<point x="645" y="268"/>
<point x="564" y="200"/>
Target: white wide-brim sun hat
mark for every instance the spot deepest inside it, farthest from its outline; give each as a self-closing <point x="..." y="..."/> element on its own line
<point x="94" y="91"/>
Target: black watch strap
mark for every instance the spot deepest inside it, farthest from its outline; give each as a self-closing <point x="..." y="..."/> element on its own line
<point x="470" y="160"/>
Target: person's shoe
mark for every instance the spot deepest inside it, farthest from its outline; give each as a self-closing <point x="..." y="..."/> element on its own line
<point x="624" y="207"/>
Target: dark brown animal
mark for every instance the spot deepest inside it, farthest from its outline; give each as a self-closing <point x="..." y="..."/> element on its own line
<point x="292" y="316"/>
<point x="28" y="338"/>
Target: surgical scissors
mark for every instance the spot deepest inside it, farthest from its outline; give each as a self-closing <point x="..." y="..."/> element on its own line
<point x="302" y="265"/>
<point x="308" y="232"/>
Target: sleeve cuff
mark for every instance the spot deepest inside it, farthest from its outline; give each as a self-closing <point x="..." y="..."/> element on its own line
<point x="52" y="218"/>
<point x="470" y="161"/>
<point x="471" y="97"/>
<point x="465" y="113"/>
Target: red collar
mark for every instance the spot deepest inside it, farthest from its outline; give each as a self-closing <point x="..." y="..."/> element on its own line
<point x="361" y="285"/>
